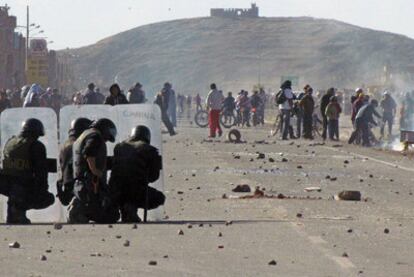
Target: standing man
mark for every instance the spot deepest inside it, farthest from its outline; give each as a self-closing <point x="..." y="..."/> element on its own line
<point x="25" y="172"/>
<point x="92" y="202"/>
<point x="362" y="121"/>
<point x="162" y="101"/>
<point x="324" y="103"/>
<point x="228" y="107"/>
<point x="389" y="109"/>
<point x="66" y="181"/>
<point x="136" y="95"/>
<point x="116" y="97"/>
<point x="172" y="103"/>
<point x="198" y="102"/>
<point x="213" y="102"/>
<point x="136" y="164"/>
<point x="307" y="105"/>
<point x="89" y="96"/>
<point x="285" y="100"/>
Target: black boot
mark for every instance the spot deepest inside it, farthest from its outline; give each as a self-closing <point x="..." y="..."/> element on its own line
<point x="129" y="214"/>
<point x="16" y="216"/>
<point x="77" y="213"/>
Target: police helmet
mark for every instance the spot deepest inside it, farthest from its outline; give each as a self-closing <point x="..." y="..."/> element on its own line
<point x="106" y="127"/>
<point x="79" y="125"/>
<point x="33" y="127"/>
<point x="141" y="132"/>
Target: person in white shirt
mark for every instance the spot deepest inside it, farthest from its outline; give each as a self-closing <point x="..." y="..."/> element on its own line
<point x="214" y="103"/>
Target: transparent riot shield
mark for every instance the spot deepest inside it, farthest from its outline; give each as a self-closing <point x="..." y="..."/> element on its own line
<point x="125" y="118"/>
<point x="11" y="124"/>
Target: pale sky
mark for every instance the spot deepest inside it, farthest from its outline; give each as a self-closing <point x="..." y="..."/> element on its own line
<point x="75" y="23"/>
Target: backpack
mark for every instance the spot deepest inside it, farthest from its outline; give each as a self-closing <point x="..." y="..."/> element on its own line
<point x="280" y="97"/>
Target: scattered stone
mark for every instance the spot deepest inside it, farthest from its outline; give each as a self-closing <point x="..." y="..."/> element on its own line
<point x="110" y="226"/>
<point x="216" y="168"/>
<point x="153" y="263"/>
<point x="193" y="175"/>
<point x="189" y="226"/>
<point x="57" y="226"/>
<point x="237" y="157"/>
<point x="386" y="231"/>
<point x="345" y="255"/>
<point x="309" y="189"/>
<point x="328" y="177"/>
<point x="48" y="251"/>
<point x="48" y="232"/>
<point x="201" y="225"/>
<point x="220" y="234"/>
<point x="14" y="245"/>
<point x="43" y="258"/>
<point x="261" y="156"/>
<point x="333" y="179"/>
<point x="165" y="257"/>
<point x="271" y="160"/>
<point x="180" y="232"/>
<point x="221" y="246"/>
<point x="299" y="167"/>
<point x="346" y="162"/>
<point x="281" y="196"/>
<point x="224" y="196"/>
<point x="284" y="160"/>
<point x="229" y="223"/>
<point x="348" y="195"/>
<point x="127" y="243"/>
<point x="350" y="231"/>
<point x="242" y="188"/>
<point x="272" y="262"/>
<point x="180" y="192"/>
<point x="299" y="215"/>
<point x="371" y="176"/>
<point x="135" y="226"/>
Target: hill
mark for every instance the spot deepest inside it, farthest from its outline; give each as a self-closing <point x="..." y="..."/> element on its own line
<point x="192" y="53"/>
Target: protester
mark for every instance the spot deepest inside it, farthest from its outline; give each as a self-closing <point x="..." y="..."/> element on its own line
<point x="4" y="101"/>
<point x="244" y="107"/>
<point x="162" y="100"/>
<point x="332" y="112"/>
<point x="362" y="122"/>
<point x="198" y="102"/>
<point x="228" y="107"/>
<point x="89" y="97"/>
<point x="32" y="96"/>
<point x="307" y="105"/>
<point x="358" y="102"/>
<point x="389" y="109"/>
<point x="285" y="99"/>
<point x="213" y="103"/>
<point x="172" y="103"/>
<point x="324" y="103"/>
<point x="255" y="103"/>
<point x="115" y="97"/>
<point x="136" y="95"/>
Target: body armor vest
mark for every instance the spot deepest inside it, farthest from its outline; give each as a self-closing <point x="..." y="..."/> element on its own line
<point x="17" y="160"/>
<point x="80" y="165"/>
<point x="130" y="160"/>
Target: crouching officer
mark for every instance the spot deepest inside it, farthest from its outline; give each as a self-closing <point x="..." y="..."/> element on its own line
<point x="136" y="164"/>
<point x="66" y="180"/>
<point x="92" y="202"/>
<point x="25" y="172"/>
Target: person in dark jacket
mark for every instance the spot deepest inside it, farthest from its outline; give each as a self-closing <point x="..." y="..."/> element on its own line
<point x="92" y="201"/>
<point x="362" y="121"/>
<point x="307" y="105"/>
<point x="389" y="109"/>
<point x="136" y="95"/>
<point x="66" y="181"/>
<point x="324" y="103"/>
<point x="25" y="173"/>
<point x="115" y="97"/>
<point x="161" y="99"/>
<point x="136" y="164"/>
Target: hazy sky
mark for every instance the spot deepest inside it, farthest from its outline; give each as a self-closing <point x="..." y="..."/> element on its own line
<point x="74" y="23"/>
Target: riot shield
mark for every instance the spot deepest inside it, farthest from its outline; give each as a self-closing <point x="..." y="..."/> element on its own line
<point x="11" y="124"/>
<point x="125" y="118"/>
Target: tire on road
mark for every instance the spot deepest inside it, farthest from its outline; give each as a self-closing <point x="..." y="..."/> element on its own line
<point x="234" y="136"/>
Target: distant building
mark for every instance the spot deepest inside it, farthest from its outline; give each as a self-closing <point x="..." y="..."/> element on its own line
<point x="12" y="52"/>
<point x="253" y="12"/>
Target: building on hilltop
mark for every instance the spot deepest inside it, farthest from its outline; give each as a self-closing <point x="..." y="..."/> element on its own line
<point x="253" y="12"/>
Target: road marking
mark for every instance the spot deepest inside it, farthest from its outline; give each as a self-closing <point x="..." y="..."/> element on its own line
<point x="371" y="158"/>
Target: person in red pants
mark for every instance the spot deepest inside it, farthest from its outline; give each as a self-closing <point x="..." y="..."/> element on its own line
<point x="214" y="103"/>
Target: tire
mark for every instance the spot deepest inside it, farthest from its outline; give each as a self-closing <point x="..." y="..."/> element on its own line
<point x="230" y="123"/>
<point x="201" y="119"/>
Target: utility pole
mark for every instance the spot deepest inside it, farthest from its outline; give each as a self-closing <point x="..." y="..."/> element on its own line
<point x="27" y="38"/>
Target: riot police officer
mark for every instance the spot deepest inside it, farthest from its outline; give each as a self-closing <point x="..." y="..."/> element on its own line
<point x="25" y="172"/>
<point x="135" y="164"/>
<point x="66" y="180"/>
<point x="91" y="201"/>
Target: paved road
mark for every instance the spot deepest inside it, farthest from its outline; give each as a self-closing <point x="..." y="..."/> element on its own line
<point x="331" y="238"/>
